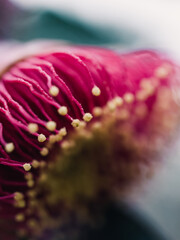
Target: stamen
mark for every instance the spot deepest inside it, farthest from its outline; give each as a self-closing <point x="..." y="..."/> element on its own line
<point x="58" y="137"/>
<point x="9" y="147"/>
<point x="30" y="183"/>
<point x="97" y="126"/>
<point x="28" y="176"/>
<point x="118" y="101"/>
<point x="32" y="127"/>
<point x="18" y="196"/>
<point x="63" y="132"/>
<point x="87" y="117"/>
<point x="145" y="83"/>
<point x="128" y="97"/>
<point x="75" y="123"/>
<point x="27" y="167"/>
<point x="147" y="86"/>
<point x="20" y="204"/>
<point x="63" y="110"/>
<point x="35" y="164"/>
<point x="51" y="125"/>
<point x="31" y="193"/>
<point x="20" y="217"/>
<point x="42" y="164"/>
<point x="82" y="124"/>
<point x="162" y="71"/>
<point x="111" y="105"/>
<point x="67" y="144"/>
<point x="97" y="111"/>
<point x="96" y="91"/>
<point x="41" y="138"/>
<point x="52" y="139"/>
<point x="54" y="91"/>
<point x="44" y="151"/>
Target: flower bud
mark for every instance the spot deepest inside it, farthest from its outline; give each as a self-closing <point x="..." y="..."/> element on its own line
<point x="78" y="123"/>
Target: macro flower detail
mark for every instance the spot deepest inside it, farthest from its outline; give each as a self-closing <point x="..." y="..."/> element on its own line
<point x="78" y="123"/>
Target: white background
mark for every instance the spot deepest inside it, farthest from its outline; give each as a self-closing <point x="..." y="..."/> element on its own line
<point x="159" y="20"/>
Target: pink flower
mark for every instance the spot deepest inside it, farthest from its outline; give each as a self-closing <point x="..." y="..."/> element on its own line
<point x="121" y="106"/>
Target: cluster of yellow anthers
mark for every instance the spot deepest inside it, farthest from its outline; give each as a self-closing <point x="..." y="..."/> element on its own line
<point x="148" y="88"/>
<point x="128" y="104"/>
<point x="51" y="126"/>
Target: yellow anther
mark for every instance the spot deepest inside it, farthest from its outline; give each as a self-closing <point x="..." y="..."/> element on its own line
<point x="52" y="139"/>
<point x="58" y="137"/>
<point x="162" y="71"/>
<point x="75" y="123"/>
<point x="44" y="151"/>
<point x="9" y="147"/>
<point x="128" y="97"/>
<point x="20" y="204"/>
<point x="54" y="91"/>
<point x="27" y="167"/>
<point x="147" y="87"/>
<point x="96" y="91"/>
<point x="87" y="117"/>
<point x="32" y="127"/>
<point x="97" y="126"/>
<point x="30" y="183"/>
<point x="20" y="217"/>
<point x="82" y="124"/>
<point x="97" y="111"/>
<point x="41" y="138"/>
<point x="35" y="164"/>
<point x="66" y="144"/>
<point x="51" y="125"/>
<point x="118" y="101"/>
<point x="18" y="196"/>
<point x="111" y="105"/>
<point x="63" y="110"/>
<point x="42" y="164"/>
<point x="63" y="132"/>
<point x="28" y="176"/>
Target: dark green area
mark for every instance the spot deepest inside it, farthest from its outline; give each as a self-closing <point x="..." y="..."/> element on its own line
<point x="50" y="25"/>
<point x="24" y="25"/>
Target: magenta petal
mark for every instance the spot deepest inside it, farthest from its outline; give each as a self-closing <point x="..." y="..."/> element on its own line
<point x="46" y="92"/>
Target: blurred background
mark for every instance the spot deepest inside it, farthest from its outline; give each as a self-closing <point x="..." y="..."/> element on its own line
<point x="122" y="25"/>
<point x="158" y="21"/>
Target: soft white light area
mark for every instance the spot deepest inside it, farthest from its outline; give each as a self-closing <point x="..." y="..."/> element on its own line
<point x="159" y="20"/>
